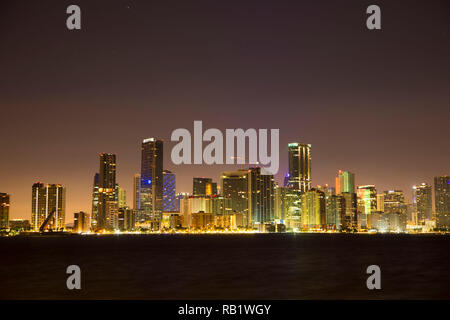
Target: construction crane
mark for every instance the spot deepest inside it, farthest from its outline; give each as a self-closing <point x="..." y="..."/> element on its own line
<point x="46" y="222"/>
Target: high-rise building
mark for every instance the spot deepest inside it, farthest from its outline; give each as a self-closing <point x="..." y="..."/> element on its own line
<point x="345" y="182"/>
<point x="289" y="207"/>
<point x="261" y="197"/>
<point x="350" y="222"/>
<point x="46" y="199"/>
<point x="380" y="202"/>
<point x="395" y="210"/>
<point x="299" y="166"/>
<point x="422" y="200"/>
<point x="335" y="212"/>
<point x="442" y="201"/>
<point x="126" y="219"/>
<point x="367" y="204"/>
<point x="199" y="186"/>
<point x="136" y="191"/>
<point x="112" y="215"/>
<point x="169" y="192"/>
<point x="211" y="189"/>
<point x="95" y="199"/>
<point x="235" y="187"/>
<point x="121" y="197"/>
<point x="152" y="179"/>
<point x="106" y="190"/>
<point x="333" y="207"/>
<point x="190" y="205"/>
<point x="81" y="223"/>
<point x="204" y="187"/>
<point x="313" y="210"/>
<point x="4" y="210"/>
<point x="221" y="205"/>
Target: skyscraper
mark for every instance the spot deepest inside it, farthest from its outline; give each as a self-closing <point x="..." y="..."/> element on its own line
<point x="289" y="207"/>
<point x="136" y="191"/>
<point x="333" y="207"/>
<point x="345" y="182"/>
<point x="261" y="197"/>
<point x="95" y="199"/>
<point x="380" y="202"/>
<point x="4" y="210"/>
<point x="335" y="212"/>
<point x="126" y="219"/>
<point x="299" y="166"/>
<point x="367" y="204"/>
<point x="422" y="200"/>
<point x="45" y="199"/>
<point x="169" y="191"/>
<point x="203" y="187"/>
<point x="235" y="187"/>
<point x="199" y="186"/>
<point x="80" y="222"/>
<point x="106" y="189"/>
<point x="152" y="179"/>
<point x="442" y="201"/>
<point x="313" y="210"/>
<point x="395" y="210"/>
<point x="121" y="197"/>
<point x="350" y="221"/>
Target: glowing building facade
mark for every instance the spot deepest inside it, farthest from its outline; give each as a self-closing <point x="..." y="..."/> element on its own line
<point x="422" y="201"/>
<point x="4" y="210"/>
<point x="442" y="201"/>
<point x="151" y="193"/>
<point x="169" y="192"/>
<point x="46" y="198"/>
<point x="299" y="166"/>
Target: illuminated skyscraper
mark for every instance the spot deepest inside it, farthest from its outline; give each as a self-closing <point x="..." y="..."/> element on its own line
<point x="169" y="191"/>
<point x="199" y="186"/>
<point x="350" y="221"/>
<point x="335" y="212"/>
<point x="345" y="182"/>
<point x="221" y="205"/>
<point x="367" y="204"/>
<point x="95" y="199"/>
<point x="112" y="215"/>
<point x="395" y="210"/>
<point x="261" y="197"/>
<point x="235" y="187"/>
<point x="442" y="201"/>
<point x="45" y="199"/>
<point x="152" y="179"/>
<point x="313" y="214"/>
<point x="334" y="207"/>
<point x="106" y="189"/>
<point x="380" y="202"/>
<point x="136" y="191"/>
<point x="299" y="166"/>
<point x="204" y="187"/>
<point x="81" y="222"/>
<point x="4" y="210"/>
<point x="190" y="205"/>
<point x="126" y="219"/>
<point x="288" y="206"/>
<point x="121" y="197"/>
<point x="422" y="200"/>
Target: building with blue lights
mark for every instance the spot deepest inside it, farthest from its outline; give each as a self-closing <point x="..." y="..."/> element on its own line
<point x="169" y="189"/>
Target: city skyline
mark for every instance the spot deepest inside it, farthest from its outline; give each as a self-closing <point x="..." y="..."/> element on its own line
<point x="373" y="103"/>
<point x="216" y="178"/>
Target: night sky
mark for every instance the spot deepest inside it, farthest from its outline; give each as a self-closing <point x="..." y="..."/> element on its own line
<point x="376" y="103"/>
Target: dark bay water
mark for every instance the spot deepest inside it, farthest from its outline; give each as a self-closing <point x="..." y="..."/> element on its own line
<point x="254" y="266"/>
